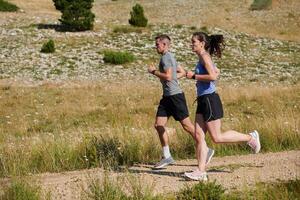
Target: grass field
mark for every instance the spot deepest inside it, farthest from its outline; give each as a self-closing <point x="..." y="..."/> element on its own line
<point x="112" y="190"/>
<point x="62" y="128"/>
<point x="70" y="110"/>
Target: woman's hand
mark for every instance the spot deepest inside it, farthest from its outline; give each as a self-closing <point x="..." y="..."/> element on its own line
<point x="189" y="74"/>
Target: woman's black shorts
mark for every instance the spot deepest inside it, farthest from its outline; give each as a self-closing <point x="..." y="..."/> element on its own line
<point x="210" y="106"/>
<point x="174" y="105"/>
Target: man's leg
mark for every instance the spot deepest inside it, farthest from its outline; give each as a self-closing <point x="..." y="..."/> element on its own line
<point x="160" y="124"/>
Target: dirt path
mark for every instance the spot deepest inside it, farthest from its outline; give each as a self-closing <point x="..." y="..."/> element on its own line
<point x="232" y="172"/>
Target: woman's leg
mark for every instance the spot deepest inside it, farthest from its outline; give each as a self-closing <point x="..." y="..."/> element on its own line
<point x="231" y="136"/>
<point x="195" y="133"/>
<point x="200" y="130"/>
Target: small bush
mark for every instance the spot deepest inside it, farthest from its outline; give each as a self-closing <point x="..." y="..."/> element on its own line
<point x="204" y="29"/>
<point x="107" y="190"/>
<point x="104" y="152"/>
<point x="178" y="26"/>
<point x="114" y="57"/>
<point x="260" y="4"/>
<point x="268" y="191"/>
<point x="20" y="190"/>
<point x="48" y="47"/>
<point x="201" y="191"/>
<point x="7" y="7"/>
<point x="137" y="16"/>
<point x="127" y="29"/>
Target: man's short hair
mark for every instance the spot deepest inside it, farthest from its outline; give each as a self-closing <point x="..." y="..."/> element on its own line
<point x="163" y="37"/>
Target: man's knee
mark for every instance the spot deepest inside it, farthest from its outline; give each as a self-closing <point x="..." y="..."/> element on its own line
<point x="160" y="128"/>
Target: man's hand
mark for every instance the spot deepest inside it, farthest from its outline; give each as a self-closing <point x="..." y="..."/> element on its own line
<point x="151" y="68"/>
<point x="180" y="72"/>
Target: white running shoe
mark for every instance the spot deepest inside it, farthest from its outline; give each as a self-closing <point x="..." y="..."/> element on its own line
<point x="196" y="175"/>
<point x="164" y="162"/>
<point x="254" y="143"/>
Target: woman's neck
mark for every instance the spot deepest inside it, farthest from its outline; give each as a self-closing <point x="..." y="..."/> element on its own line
<point x="201" y="52"/>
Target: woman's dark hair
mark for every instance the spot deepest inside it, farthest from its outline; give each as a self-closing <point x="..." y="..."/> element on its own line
<point x="214" y="44"/>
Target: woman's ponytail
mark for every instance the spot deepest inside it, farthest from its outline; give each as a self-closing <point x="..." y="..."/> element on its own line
<point x="216" y="45"/>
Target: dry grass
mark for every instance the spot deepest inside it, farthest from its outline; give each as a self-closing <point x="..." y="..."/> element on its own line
<point x="50" y="128"/>
<point x="283" y="18"/>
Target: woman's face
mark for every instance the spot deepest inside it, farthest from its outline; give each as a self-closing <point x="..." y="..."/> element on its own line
<point x="196" y="45"/>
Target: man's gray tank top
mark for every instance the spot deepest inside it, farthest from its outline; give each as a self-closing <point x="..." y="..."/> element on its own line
<point x="169" y="87"/>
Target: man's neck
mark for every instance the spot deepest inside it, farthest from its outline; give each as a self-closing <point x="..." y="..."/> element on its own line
<point x="166" y="51"/>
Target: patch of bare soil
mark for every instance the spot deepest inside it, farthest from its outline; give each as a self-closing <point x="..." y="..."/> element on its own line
<point x="232" y="172"/>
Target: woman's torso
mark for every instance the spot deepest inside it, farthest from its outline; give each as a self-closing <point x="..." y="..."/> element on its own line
<point x="204" y="87"/>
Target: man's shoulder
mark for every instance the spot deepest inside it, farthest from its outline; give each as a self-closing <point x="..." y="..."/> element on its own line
<point x="168" y="55"/>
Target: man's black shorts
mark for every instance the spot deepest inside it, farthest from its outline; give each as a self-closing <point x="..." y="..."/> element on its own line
<point x="174" y="105"/>
<point x="210" y="106"/>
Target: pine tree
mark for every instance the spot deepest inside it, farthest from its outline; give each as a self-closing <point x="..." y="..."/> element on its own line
<point x="76" y="14"/>
<point x="137" y="16"/>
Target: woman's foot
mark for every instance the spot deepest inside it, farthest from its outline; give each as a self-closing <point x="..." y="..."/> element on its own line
<point x="254" y="143"/>
<point x="196" y="175"/>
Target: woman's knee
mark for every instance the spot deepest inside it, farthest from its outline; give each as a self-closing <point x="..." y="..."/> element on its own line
<point x="199" y="137"/>
<point x="216" y="139"/>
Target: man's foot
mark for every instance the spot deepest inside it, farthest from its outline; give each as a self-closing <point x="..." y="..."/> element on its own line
<point x="210" y="154"/>
<point x="196" y="175"/>
<point x="164" y="162"/>
<point x="254" y="143"/>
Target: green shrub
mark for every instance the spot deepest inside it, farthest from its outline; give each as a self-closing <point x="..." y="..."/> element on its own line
<point x="202" y="191"/>
<point x="7" y="7"/>
<point x="107" y="190"/>
<point x="127" y="29"/>
<point x="105" y="152"/>
<point x="178" y="26"/>
<point x="115" y="57"/>
<point x="268" y="191"/>
<point x="137" y="16"/>
<point x="204" y="29"/>
<point x="260" y="4"/>
<point x="48" y="47"/>
<point x="20" y="190"/>
<point x="76" y="14"/>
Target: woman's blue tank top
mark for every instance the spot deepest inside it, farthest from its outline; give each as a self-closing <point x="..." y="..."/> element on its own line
<point x="204" y="87"/>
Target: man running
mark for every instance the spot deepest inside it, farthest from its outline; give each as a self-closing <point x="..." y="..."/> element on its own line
<point x="173" y="102"/>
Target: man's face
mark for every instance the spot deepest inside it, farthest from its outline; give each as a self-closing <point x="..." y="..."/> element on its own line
<point x="160" y="46"/>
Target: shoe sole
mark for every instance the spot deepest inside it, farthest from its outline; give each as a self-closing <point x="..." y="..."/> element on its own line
<point x="163" y="165"/>
<point x="196" y="179"/>
<point x="258" y="141"/>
